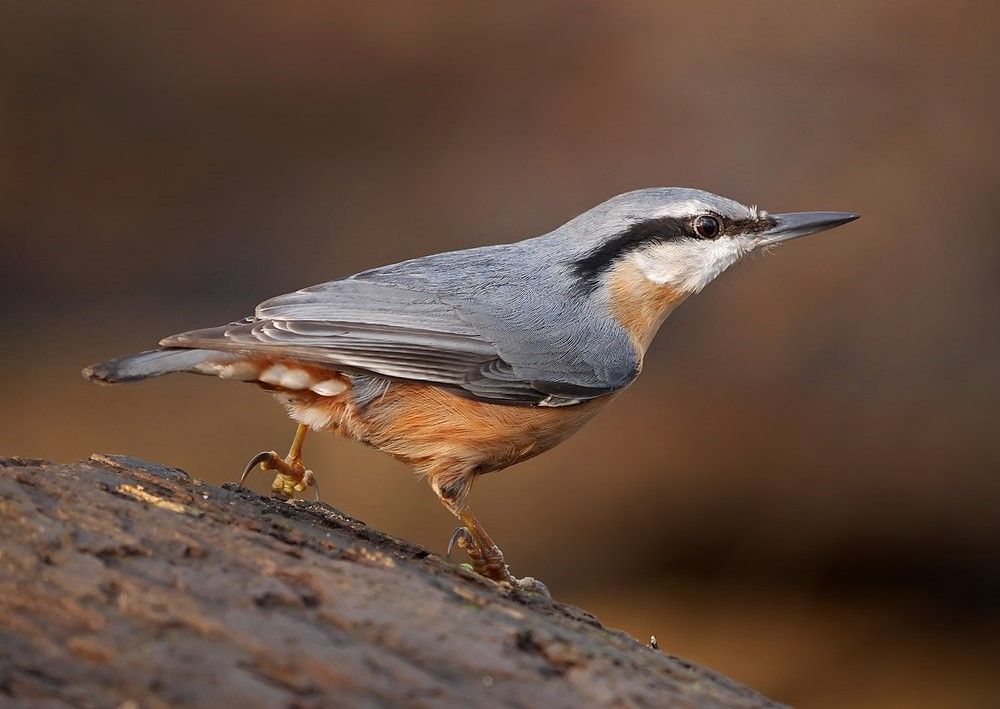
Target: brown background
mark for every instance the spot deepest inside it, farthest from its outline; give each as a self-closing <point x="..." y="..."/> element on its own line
<point x="802" y="489"/>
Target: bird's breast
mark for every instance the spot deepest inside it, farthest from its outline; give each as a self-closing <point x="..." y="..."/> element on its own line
<point x="639" y="305"/>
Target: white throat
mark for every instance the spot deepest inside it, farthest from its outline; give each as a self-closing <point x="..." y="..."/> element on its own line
<point x="690" y="264"/>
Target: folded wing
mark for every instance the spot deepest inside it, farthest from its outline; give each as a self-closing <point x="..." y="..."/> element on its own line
<point x="414" y="330"/>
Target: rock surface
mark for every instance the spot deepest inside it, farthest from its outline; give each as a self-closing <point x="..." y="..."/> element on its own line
<point x="125" y="581"/>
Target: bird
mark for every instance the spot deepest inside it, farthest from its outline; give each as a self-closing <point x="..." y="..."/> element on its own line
<point x="466" y="362"/>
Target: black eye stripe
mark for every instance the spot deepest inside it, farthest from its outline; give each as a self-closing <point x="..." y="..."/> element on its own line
<point x="589" y="268"/>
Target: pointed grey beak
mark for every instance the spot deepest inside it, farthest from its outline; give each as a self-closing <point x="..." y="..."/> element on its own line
<point x="795" y="224"/>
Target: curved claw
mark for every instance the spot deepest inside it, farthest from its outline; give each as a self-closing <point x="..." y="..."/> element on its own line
<point x="461" y="534"/>
<point x="262" y="457"/>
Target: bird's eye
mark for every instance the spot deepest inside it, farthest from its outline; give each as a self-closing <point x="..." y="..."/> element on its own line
<point x="707" y="227"/>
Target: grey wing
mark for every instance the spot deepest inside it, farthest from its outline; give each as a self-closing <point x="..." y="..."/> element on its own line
<point x="411" y="333"/>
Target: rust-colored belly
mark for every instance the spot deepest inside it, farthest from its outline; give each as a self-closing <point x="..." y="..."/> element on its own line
<point x="434" y="429"/>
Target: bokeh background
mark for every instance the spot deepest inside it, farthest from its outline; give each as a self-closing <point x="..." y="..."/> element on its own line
<point x="801" y="491"/>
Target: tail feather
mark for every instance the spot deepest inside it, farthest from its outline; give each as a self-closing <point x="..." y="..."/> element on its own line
<point x="151" y="363"/>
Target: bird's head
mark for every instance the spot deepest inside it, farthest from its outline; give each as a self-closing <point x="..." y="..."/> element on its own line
<point x="643" y="252"/>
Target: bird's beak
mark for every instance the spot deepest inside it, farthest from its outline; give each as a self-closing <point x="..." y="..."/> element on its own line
<point x="795" y="224"/>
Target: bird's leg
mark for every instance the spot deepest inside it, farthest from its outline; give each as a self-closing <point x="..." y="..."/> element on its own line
<point x="452" y="488"/>
<point x="487" y="559"/>
<point x="292" y="476"/>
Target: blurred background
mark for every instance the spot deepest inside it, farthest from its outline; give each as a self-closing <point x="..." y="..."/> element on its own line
<point x="806" y="478"/>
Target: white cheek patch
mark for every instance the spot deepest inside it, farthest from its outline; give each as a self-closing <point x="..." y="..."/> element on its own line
<point x="690" y="264"/>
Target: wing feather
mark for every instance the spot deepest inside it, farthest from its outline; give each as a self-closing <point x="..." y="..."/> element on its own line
<point x="494" y="349"/>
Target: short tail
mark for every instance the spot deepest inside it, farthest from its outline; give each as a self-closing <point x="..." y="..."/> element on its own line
<point x="152" y="363"/>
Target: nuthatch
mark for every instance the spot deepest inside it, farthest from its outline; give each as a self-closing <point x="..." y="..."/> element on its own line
<point x="466" y="362"/>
